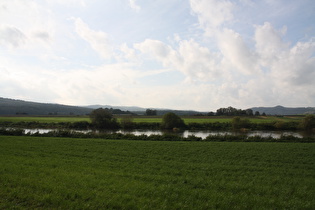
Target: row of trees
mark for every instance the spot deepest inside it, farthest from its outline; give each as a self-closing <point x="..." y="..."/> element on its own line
<point x="230" y="111"/>
<point x="151" y="112"/>
<point x="103" y="119"/>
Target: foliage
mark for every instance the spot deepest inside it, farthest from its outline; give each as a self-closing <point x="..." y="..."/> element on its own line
<point x="171" y="121"/>
<point x="230" y="111"/>
<point x="103" y="119"/>
<point x="308" y="123"/>
<point x="150" y="112"/>
<point x="238" y="123"/>
<point x="126" y="122"/>
<point x="63" y="173"/>
<point x="154" y="122"/>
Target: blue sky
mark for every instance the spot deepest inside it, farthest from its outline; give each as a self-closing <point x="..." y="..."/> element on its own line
<point x="179" y="54"/>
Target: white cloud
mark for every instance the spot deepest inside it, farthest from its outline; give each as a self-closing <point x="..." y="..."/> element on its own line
<point x="158" y="50"/>
<point x="197" y="62"/>
<point x="98" y="40"/>
<point x="193" y="60"/>
<point x="128" y="53"/>
<point x="81" y="3"/>
<point x="212" y="13"/>
<point x="269" y="42"/>
<point x="134" y="5"/>
<point x="235" y="50"/>
<point x="11" y="36"/>
<point x="220" y="63"/>
<point x="42" y="35"/>
<point x="26" y="24"/>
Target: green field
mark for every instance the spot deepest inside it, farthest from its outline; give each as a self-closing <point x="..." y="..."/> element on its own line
<point x="44" y="119"/>
<point x="137" y="119"/>
<point x="116" y="174"/>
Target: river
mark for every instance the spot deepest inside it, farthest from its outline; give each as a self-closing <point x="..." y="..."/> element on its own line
<point x="203" y="134"/>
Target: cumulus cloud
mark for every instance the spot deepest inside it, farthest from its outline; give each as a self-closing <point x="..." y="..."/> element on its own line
<point x="128" y="53"/>
<point x="11" y="36"/>
<point x="157" y="50"/>
<point x="198" y="62"/>
<point x="98" y="40"/>
<point x="297" y="65"/>
<point x="194" y="61"/>
<point x="212" y="13"/>
<point x="219" y="64"/>
<point x="26" y="24"/>
<point x="269" y="42"/>
<point x="42" y="35"/>
<point x="235" y="51"/>
<point x="68" y="2"/>
<point x="134" y="5"/>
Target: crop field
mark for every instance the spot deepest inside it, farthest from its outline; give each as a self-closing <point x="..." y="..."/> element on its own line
<point x="63" y="173"/>
<point x="150" y="119"/>
<point x="44" y="119"/>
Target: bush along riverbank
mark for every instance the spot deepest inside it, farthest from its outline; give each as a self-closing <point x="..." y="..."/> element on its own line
<point x="164" y="137"/>
<point x="214" y="126"/>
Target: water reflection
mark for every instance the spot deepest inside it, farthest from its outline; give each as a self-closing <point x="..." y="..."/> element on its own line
<point x="203" y="134"/>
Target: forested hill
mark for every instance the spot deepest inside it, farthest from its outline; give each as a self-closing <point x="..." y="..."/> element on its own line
<point x="19" y="107"/>
<point x="280" y="110"/>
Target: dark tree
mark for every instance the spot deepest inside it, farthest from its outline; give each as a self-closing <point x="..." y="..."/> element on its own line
<point x="150" y="112"/>
<point x="103" y="119"/>
<point x="171" y="121"/>
<point x="230" y="111"/>
<point x="238" y="123"/>
<point x="127" y="122"/>
<point x="257" y="113"/>
<point x="210" y="114"/>
<point x="249" y="112"/>
<point x="308" y="122"/>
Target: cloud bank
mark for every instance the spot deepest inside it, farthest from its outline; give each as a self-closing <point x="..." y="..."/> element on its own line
<point x="218" y="54"/>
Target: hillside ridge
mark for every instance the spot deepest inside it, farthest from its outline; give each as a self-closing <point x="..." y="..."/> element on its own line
<point x="21" y="107"/>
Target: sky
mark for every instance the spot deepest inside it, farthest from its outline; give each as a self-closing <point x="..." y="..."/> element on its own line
<point x="178" y="54"/>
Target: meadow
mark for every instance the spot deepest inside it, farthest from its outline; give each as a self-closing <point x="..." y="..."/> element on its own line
<point x="69" y="173"/>
<point x="149" y="119"/>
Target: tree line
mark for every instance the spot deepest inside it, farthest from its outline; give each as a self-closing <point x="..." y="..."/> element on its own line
<point x="102" y="119"/>
<point x="230" y="111"/>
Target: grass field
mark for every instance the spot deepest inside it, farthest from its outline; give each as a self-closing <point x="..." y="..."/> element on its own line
<point x="110" y="174"/>
<point x="137" y="119"/>
<point x="44" y="119"/>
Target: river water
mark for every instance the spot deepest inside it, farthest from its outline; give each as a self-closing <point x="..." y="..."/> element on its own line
<point x="203" y="134"/>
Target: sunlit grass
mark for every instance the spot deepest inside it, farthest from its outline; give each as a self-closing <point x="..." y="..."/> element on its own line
<point x="148" y="119"/>
<point x="105" y="174"/>
<point x="44" y="119"/>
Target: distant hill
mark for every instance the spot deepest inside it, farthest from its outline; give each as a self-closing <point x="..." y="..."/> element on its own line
<point x="141" y="111"/>
<point x="122" y="108"/>
<point x="280" y="110"/>
<point x="19" y="107"/>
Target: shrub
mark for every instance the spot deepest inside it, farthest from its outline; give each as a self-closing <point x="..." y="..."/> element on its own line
<point x="308" y="122"/>
<point x="238" y="123"/>
<point x="126" y="122"/>
<point x="171" y="120"/>
<point x="103" y="119"/>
